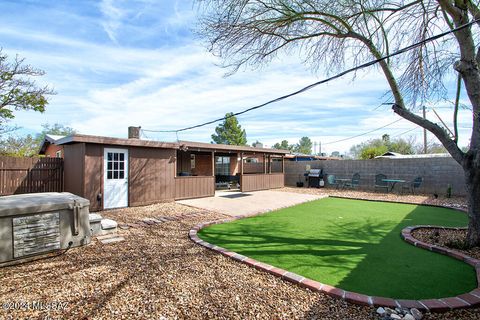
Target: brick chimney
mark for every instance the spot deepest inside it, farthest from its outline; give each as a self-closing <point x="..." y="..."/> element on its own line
<point x="134" y="132"/>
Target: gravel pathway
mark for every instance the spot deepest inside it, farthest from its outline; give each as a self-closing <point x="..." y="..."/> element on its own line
<point x="158" y="273"/>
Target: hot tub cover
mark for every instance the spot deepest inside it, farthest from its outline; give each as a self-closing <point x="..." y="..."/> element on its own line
<point x="39" y="202"/>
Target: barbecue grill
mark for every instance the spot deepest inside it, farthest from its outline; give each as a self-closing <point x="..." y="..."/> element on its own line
<point x="315" y="176"/>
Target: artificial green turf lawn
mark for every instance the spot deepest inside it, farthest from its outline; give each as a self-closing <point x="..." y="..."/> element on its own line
<point x="351" y="244"/>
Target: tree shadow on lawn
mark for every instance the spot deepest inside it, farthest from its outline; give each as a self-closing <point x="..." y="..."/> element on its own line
<point x="393" y="268"/>
<point x="366" y="255"/>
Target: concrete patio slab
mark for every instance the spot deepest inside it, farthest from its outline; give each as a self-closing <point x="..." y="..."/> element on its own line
<point x="236" y="203"/>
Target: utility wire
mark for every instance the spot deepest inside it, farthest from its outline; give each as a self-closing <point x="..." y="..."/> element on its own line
<point x="339" y="75"/>
<point x="362" y="134"/>
<point x="399" y="134"/>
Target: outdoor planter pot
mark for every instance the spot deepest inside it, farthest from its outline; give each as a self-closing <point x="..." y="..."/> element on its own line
<point x="39" y="223"/>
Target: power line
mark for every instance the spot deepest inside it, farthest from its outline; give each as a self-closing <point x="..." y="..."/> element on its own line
<point x="339" y="75"/>
<point x="365" y="133"/>
<point x="396" y="135"/>
<point x="382" y="104"/>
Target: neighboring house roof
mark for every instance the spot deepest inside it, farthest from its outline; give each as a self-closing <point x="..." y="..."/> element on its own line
<point x="49" y="139"/>
<point x="200" y="146"/>
<point x="394" y="155"/>
<point x="304" y="157"/>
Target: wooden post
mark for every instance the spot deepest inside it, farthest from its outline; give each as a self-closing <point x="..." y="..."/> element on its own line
<point x="270" y="163"/>
<point x="176" y="163"/>
<point x="241" y="172"/>
<point x="241" y="163"/>
<point x="264" y="164"/>
<point x="283" y="164"/>
<point x="213" y="163"/>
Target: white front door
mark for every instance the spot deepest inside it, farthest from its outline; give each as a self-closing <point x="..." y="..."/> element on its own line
<point x="115" y="178"/>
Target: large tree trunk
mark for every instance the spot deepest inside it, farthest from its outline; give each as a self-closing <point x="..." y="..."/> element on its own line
<point x="472" y="181"/>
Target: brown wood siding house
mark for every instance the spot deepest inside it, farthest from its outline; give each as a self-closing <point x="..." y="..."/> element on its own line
<point x="114" y="172"/>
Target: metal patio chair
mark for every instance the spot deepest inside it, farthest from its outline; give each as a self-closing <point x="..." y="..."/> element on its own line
<point x="355" y="181"/>
<point x="414" y="184"/>
<point x="332" y="181"/>
<point x="379" y="183"/>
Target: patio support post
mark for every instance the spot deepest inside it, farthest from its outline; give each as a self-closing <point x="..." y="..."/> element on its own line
<point x="269" y="163"/>
<point x="241" y="163"/>
<point x="264" y="164"/>
<point x="213" y="163"/>
<point x="175" y="166"/>
<point x="283" y="164"/>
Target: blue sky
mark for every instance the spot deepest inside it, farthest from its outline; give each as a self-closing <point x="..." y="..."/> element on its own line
<point x="120" y="63"/>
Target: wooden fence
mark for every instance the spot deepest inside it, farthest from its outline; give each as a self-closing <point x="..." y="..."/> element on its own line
<point x="194" y="187"/>
<point x="253" y="182"/>
<point x="30" y="175"/>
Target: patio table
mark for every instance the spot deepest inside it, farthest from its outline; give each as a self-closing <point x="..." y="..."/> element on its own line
<point x="393" y="182"/>
<point x="342" y="182"/>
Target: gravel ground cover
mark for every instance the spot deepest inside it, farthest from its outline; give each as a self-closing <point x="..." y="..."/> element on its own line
<point x="446" y="238"/>
<point x="158" y="273"/>
<point x="453" y="202"/>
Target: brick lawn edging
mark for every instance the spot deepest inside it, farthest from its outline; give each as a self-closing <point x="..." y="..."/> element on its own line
<point x="466" y="300"/>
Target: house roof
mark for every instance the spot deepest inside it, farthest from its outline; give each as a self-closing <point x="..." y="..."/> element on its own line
<point x="200" y="146"/>
<point x="83" y="138"/>
<point x="297" y="156"/>
<point x="49" y="139"/>
<point x="391" y="153"/>
<point x="394" y="155"/>
<point x="226" y="147"/>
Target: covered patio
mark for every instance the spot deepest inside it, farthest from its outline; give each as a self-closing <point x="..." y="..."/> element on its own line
<point x="202" y="168"/>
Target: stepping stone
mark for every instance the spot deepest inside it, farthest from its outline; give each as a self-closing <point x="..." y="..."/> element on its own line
<point x="112" y="240"/>
<point x="95" y="226"/>
<point x="151" y="220"/>
<point x="106" y="236"/>
<point x="94" y="217"/>
<point x="108" y="224"/>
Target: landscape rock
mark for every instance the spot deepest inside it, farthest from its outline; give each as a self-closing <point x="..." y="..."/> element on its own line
<point x="395" y="316"/>
<point x="405" y="311"/>
<point x="381" y="311"/>
<point x="389" y="311"/>
<point x="417" y="314"/>
<point x="408" y="316"/>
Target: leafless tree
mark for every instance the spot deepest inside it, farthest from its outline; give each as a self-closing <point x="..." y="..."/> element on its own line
<point x="330" y="35"/>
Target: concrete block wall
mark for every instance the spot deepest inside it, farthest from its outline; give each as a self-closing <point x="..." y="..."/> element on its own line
<point x="294" y="171"/>
<point x="437" y="173"/>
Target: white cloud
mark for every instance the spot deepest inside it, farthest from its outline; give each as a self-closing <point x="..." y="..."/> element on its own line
<point x="113" y="18"/>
